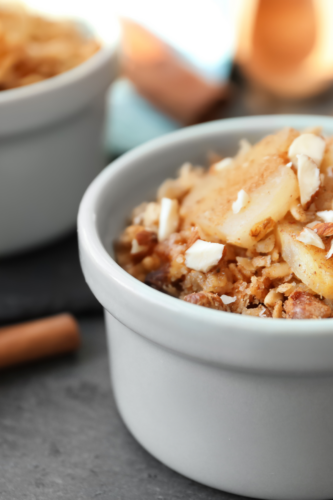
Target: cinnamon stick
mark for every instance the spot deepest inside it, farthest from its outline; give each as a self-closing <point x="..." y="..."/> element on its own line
<point x="38" y="339"/>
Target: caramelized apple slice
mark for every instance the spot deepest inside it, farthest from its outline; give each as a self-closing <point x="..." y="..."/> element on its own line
<point x="271" y="186"/>
<point x="271" y="200"/>
<point x="261" y="173"/>
<point x="275" y="144"/>
<point x="308" y="262"/>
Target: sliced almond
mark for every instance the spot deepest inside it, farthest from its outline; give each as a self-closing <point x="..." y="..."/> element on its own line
<point x="309" y="237"/>
<point x="136" y="248"/>
<point x="169" y="218"/>
<point x="242" y="200"/>
<point x="311" y="225"/>
<point x="308" y="178"/>
<point x="323" y="229"/>
<point x="330" y="252"/>
<point x="326" y="215"/>
<point x="307" y="144"/>
<point x="224" y="164"/>
<point x="226" y="299"/>
<point x="203" y="255"/>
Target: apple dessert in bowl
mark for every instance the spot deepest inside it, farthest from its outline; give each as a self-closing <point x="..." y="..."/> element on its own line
<point x="251" y="235"/>
<point x="230" y="400"/>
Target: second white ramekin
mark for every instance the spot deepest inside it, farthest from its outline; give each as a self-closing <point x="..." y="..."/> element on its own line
<point x="51" y="148"/>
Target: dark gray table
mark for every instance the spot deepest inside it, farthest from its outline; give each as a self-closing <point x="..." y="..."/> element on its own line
<point x="61" y="436"/>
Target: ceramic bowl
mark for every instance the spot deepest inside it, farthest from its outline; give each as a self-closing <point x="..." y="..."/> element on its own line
<point x="50" y="150"/>
<point x="238" y="403"/>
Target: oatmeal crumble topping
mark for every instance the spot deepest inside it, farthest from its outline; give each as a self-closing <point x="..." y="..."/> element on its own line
<point x="256" y="241"/>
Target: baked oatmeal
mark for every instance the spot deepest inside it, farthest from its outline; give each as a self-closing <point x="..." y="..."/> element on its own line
<point x="252" y="234"/>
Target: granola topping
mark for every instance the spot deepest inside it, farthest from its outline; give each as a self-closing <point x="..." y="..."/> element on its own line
<point x="256" y="241"/>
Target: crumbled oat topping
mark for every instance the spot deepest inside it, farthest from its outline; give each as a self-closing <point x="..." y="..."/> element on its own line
<point x="203" y="242"/>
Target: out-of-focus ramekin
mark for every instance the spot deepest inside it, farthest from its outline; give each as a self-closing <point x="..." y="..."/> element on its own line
<point x="238" y="403"/>
<point x="51" y="148"/>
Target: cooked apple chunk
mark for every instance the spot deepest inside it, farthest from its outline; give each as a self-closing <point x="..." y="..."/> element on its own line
<point x="308" y="262"/>
<point x="272" y="188"/>
<point x="271" y="201"/>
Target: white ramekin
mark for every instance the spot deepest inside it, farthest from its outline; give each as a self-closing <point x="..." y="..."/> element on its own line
<point x="238" y="403"/>
<point x="51" y="148"/>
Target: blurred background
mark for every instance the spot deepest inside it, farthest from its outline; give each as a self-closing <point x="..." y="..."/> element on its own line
<point x="187" y="62"/>
<point x="184" y="62"/>
<point x="179" y="63"/>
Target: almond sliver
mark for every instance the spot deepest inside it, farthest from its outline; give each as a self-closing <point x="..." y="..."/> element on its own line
<point x="309" y="237"/>
<point x="308" y="178"/>
<point x="330" y="252"/>
<point x="323" y="228"/>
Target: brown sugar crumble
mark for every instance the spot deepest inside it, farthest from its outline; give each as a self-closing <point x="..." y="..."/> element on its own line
<point x="251" y="235"/>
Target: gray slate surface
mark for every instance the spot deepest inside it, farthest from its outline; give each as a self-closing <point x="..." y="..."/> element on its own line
<point x="62" y="438"/>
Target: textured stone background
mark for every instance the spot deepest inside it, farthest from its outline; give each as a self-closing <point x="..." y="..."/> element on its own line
<point x="62" y="438"/>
